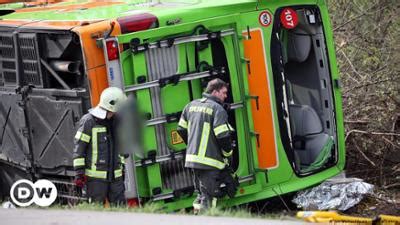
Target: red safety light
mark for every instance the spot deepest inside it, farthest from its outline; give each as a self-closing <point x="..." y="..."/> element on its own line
<point x="112" y="50"/>
<point x="139" y="22"/>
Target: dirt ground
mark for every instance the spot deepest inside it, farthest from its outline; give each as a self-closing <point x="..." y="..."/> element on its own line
<point x="382" y="202"/>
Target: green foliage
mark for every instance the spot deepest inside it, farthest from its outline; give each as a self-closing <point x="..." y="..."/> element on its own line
<point x="148" y="208"/>
<point x="237" y="212"/>
<point x="240" y="212"/>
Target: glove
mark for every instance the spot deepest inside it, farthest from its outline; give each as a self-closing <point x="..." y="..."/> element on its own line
<point x="80" y="180"/>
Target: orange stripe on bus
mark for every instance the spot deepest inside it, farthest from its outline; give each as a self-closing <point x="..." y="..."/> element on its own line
<point x="68" y="8"/>
<point x="47" y="24"/>
<point x="259" y="86"/>
<point x="94" y="56"/>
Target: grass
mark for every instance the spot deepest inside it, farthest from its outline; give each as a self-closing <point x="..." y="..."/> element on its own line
<point x="243" y="213"/>
<point x="158" y="209"/>
<point x="237" y="212"/>
<point x="148" y="208"/>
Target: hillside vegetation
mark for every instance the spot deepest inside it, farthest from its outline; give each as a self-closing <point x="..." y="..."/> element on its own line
<point x="367" y="38"/>
<point x="368" y="50"/>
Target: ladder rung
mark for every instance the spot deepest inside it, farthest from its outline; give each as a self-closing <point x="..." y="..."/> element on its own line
<point x="183" y="77"/>
<point x="236" y="105"/>
<point x="163" y="119"/>
<point x="163" y="158"/>
<point x="155" y="121"/>
<point x="182" y="40"/>
<point x="171" y="195"/>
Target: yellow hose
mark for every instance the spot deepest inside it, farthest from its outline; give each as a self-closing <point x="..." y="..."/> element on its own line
<point x="331" y="217"/>
<point x="388" y="220"/>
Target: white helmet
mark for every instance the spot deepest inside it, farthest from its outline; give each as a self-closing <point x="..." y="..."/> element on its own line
<point x="111" y="100"/>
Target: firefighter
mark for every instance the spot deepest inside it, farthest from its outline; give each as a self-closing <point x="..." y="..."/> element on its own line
<point x="97" y="163"/>
<point x="205" y="129"/>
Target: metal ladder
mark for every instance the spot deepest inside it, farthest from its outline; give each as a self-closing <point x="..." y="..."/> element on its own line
<point x="162" y="72"/>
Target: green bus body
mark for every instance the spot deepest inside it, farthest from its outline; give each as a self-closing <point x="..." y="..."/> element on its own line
<point x="215" y="17"/>
<point x="243" y="18"/>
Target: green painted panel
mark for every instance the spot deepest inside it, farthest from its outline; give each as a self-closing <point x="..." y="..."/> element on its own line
<point x="279" y="180"/>
<point x="188" y="11"/>
<point x="174" y="98"/>
<point x="150" y="143"/>
<point x="246" y="163"/>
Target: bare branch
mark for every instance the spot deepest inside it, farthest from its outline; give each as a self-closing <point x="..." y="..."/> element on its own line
<point x="390" y="142"/>
<point x="363" y="154"/>
<point x="352" y="66"/>
<point x="361" y="15"/>
<point x="356" y="121"/>
<point x="371" y="83"/>
<point x="371" y="133"/>
<point x="392" y="185"/>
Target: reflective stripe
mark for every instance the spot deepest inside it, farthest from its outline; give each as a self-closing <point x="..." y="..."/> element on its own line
<point x="205" y="160"/>
<point x="183" y="123"/>
<point x="79" y="162"/>
<point x="118" y="173"/>
<point x="82" y="136"/>
<point x="204" y="139"/>
<point x="95" y="132"/>
<point x="201" y="109"/>
<point x="227" y="154"/>
<point x="226" y="161"/>
<point x="122" y="159"/>
<point x="221" y="129"/>
<point x="230" y="127"/>
<point x="201" y="157"/>
<point x="197" y="206"/>
<point x="96" y="174"/>
<point x="214" y="203"/>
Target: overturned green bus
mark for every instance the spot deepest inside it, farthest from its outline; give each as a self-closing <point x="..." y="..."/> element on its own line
<point x="277" y="56"/>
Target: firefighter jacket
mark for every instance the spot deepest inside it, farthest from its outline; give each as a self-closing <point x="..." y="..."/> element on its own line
<point x="204" y="127"/>
<point x="95" y="152"/>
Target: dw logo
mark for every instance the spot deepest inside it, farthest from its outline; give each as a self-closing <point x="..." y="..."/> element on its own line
<point x="43" y="193"/>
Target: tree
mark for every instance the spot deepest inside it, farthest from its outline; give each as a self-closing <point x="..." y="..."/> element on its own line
<point x="367" y="38"/>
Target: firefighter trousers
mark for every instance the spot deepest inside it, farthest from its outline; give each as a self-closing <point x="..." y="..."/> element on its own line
<point x="207" y="185"/>
<point x="100" y="190"/>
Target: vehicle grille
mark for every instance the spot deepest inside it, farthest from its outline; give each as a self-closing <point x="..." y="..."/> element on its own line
<point x="25" y="54"/>
<point x="28" y="46"/>
<point x="7" y="59"/>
